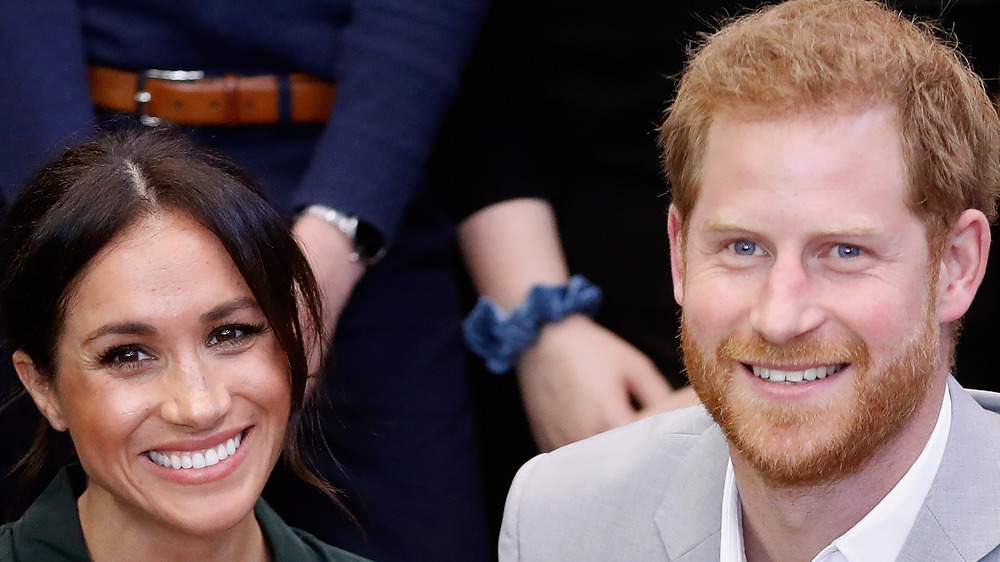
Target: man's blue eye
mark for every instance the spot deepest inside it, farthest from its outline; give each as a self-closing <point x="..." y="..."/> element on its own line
<point x="847" y="251"/>
<point x="744" y="248"/>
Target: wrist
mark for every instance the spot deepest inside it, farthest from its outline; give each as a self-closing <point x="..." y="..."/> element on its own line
<point x="555" y="339"/>
<point x="328" y="253"/>
<point x="367" y="243"/>
<point x="500" y="336"/>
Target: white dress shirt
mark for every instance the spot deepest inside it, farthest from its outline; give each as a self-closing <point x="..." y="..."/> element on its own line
<point x="880" y="535"/>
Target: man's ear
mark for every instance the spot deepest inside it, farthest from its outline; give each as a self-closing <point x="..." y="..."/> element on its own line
<point x="41" y="391"/>
<point x="674" y="230"/>
<point x="963" y="265"/>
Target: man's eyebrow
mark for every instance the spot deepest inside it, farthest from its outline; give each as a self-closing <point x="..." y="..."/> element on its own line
<point x="717" y="225"/>
<point x="224" y="309"/>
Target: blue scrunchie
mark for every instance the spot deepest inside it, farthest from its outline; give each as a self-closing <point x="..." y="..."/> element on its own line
<point x="500" y="337"/>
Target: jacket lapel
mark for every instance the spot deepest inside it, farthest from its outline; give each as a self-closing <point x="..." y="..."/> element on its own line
<point x="690" y="516"/>
<point x="960" y="519"/>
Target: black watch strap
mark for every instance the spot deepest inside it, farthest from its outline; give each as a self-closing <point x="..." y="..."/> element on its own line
<point x="367" y="241"/>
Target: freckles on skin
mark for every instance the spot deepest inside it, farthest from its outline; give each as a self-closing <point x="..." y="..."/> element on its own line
<point x="166" y="350"/>
<point x="868" y="301"/>
<point x="172" y="288"/>
<point x="168" y="295"/>
<point x="780" y="198"/>
<point x="791" y="206"/>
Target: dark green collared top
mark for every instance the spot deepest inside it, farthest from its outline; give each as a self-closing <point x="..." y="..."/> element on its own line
<point x="50" y="531"/>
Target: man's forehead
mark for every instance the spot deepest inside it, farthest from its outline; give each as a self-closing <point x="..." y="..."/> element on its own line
<point x="821" y="115"/>
<point x="846" y="102"/>
<point x="866" y="142"/>
<point x="846" y="161"/>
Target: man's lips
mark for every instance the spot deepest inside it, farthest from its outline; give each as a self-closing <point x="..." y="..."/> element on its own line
<point x="796" y="376"/>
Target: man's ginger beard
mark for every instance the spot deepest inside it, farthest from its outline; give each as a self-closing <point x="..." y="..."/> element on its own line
<point x="796" y="444"/>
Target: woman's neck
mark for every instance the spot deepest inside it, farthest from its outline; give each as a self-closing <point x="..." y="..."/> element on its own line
<point x="112" y="535"/>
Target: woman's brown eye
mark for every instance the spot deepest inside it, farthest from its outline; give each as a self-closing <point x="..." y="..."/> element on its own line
<point x="228" y="333"/>
<point x="125" y="354"/>
<point x="223" y="335"/>
<point x="233" y="334"/>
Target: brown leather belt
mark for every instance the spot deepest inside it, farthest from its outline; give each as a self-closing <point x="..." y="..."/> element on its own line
<point x="186" y="98"/>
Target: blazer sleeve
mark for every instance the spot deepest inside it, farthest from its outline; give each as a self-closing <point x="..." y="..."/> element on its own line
<point x="397" y="70"/>
<point x="44" y="98"/>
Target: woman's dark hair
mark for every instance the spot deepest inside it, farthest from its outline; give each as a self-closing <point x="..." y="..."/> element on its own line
<point x="92" y="193"/>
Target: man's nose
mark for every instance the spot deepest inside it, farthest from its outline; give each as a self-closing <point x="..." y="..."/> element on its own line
<point x="785" y="307"/>
<point x="192" y="397"/>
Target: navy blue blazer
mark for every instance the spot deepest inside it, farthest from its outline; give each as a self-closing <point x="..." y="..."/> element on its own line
<point x="398" y="414"/>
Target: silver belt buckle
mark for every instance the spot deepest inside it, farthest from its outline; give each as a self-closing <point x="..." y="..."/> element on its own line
<point x="142" y="95"/>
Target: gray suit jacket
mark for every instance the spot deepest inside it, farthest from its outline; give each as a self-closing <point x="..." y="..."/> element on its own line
<point x="652" y="490"/>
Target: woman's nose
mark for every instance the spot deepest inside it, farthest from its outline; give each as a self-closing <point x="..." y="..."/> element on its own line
<point x="192" y="397"/>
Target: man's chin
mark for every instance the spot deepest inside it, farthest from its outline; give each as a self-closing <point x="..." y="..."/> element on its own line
<point x="810" y="443"/>
<point x="786" y="444"/>
<point x="808" y="452"/>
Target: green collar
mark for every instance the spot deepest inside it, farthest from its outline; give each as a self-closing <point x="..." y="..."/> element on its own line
<point x="50" y="530"/>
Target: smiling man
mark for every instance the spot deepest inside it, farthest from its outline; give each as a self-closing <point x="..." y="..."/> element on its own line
<point x="834" y="170"/>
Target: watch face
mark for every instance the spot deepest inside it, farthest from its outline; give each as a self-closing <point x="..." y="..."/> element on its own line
<point x="368" y="242"/>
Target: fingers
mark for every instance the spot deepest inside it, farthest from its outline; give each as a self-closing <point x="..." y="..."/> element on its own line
<point x="652" y="393"/>
<point x="564" y="404"/>
<point x="553" y="428"/>
<point x="686" y="397"/>
<point x="645" y="383"/>
<point x="618" y="410"/>
<point x="680" y="398"/>
<point x="581" y="379"/>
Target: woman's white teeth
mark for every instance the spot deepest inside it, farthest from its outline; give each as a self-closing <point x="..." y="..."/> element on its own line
<point x="794" y="377"/>
<point x="199" y="459"/>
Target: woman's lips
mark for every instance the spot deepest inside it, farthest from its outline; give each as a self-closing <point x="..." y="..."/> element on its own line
<point x="209" y="456"/>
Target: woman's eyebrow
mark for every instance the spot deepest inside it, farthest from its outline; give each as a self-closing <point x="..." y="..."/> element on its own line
<point x="123" y="328"/>
<point x="136" y="328"/>
<point x="226" y="308"/>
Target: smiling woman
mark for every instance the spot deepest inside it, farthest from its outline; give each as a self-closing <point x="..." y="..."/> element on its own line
<point x="160" y="310"/>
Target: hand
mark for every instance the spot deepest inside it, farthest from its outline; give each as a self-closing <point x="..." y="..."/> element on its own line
<point x="328" y="251"/>
<point x="580" y="379"/>
<point x="679" y="398"/>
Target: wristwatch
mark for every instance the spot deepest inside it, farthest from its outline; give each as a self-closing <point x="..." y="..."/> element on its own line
<point x="367" y="241"/>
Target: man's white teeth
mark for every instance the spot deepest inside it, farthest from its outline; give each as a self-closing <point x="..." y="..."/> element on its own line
<point x="199" y="459"/>
<point x="795" y="377"/>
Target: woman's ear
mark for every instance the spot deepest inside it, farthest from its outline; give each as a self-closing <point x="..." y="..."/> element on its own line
<point x="45" y="397"/>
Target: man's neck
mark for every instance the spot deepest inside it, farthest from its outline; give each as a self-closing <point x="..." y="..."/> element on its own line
<point x="796" y="523"/>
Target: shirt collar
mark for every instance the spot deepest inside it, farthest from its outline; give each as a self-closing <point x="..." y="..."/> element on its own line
<point x="881" y="533"/>
<point x="732" y="521"/>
